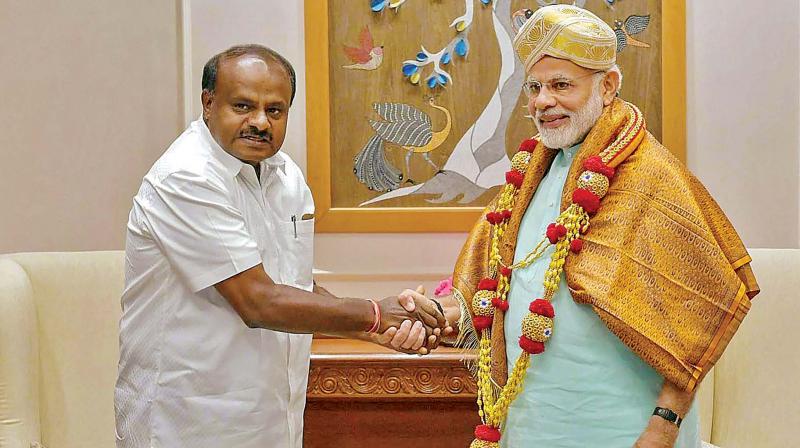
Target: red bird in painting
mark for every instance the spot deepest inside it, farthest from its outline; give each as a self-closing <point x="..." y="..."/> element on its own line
<point x="365" y="57"/>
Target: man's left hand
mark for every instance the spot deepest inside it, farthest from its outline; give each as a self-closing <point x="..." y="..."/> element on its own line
<point x="409" y="338"/>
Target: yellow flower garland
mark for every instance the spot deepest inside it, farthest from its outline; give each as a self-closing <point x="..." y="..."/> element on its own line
<point x="565" y="234"/>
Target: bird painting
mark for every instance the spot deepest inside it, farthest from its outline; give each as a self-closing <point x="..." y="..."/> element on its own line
<point x="518" y="18"/>
<point x="366" y="56"/>
<point x="405" y="126"/>
<point x="626" y="30"/>
<point x="378" y="5"/>
<point x="610" y="3"/>
<point x="479" y="160"/>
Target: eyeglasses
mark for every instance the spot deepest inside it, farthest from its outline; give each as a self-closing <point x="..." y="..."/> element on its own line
<point x="560" y="86"/>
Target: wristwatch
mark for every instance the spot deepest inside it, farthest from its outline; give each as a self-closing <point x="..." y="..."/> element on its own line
<point x="668" y="415"/>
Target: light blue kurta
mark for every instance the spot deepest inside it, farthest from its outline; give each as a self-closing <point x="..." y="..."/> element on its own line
<point x="587" y="389"/>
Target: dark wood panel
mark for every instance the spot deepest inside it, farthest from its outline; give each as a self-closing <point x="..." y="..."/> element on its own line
<point x="351" y="424"/>
<point x="359" y="394"/>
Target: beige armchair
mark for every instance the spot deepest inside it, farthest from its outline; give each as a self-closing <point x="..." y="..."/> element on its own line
<point x="59" y="314"/>
<point x="58" y="355"/>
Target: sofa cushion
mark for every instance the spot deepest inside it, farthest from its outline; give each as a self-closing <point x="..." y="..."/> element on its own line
<point x="704" y="400"/>
<point x="19" y="359"/>
<point x="757" y="386"/>
<point x="77" y="297"/>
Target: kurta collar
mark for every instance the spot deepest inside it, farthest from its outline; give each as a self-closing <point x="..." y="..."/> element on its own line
<point x="570" y="152"/>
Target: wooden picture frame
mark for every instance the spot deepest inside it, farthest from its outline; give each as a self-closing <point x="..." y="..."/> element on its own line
<point x="447" y="218"/>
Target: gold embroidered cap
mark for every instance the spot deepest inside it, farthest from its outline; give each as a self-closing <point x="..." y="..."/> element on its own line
<point x="567" y="32"/>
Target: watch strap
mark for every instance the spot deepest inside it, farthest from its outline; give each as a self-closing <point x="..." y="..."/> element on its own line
<point x="668" y="415"/>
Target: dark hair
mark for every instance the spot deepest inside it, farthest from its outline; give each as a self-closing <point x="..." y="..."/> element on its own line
<point x="260" y="51"/>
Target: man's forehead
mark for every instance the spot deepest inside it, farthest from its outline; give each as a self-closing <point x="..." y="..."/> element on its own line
<point x="550" y="67"/>
<point x="249" y="65"/>
<point x="252" y="72"/>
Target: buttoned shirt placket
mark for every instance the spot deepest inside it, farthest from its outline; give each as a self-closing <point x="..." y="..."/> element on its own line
<point x="271" y="174"/>
<point x="258" y="189"/>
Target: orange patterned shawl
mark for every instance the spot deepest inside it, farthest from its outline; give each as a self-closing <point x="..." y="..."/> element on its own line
<point x="661" y="264"/>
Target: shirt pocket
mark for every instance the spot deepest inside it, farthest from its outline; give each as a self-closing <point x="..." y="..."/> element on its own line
<point x="298" y="259"/>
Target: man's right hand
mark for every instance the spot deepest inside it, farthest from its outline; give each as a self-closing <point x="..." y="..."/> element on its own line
<point x="395" y="310"/>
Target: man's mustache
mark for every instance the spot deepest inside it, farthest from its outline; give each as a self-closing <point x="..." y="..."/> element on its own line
<point x="539" y="113"/>
<point x="254" y="133"/>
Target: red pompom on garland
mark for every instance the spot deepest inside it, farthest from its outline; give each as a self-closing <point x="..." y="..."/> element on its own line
<point x="505" y="272"/>
<point x="528" y="145"/>
<point x="586" y="199"/>
<point x="595" y="163"/>
<point x="481" y="322"/>
<point x="514" y="178"/>
<point x="576" y="245"/>
<point x="555" y="232"/>
<point x="506" y="214"/>
<point x="531" y="346"/>
<point x="487" y="433"/>
<point x="542" y="307"/>
<point x="487" y="284"/>
<point x="500" y="304"/>
<point x="552" y="236"/>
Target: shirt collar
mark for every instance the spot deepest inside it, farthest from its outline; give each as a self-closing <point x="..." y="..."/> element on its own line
<point x="233" y="165"/>
<point x="276" y="161"/>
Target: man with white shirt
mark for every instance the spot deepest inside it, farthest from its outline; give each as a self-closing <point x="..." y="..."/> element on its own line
<point x="219" y="300"/>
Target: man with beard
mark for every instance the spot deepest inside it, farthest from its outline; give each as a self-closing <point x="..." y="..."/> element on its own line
<point x="601" y="226"/>
<point x="219" y="300"/>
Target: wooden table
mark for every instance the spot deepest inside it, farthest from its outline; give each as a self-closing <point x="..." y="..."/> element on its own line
<point x="360" y="394"/>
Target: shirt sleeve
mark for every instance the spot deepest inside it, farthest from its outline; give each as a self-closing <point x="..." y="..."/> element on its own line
<point x="198" y="228"/>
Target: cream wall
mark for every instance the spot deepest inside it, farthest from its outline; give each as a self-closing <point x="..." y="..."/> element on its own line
<point x="743" y="89"/>
<point x="90" y="97"/>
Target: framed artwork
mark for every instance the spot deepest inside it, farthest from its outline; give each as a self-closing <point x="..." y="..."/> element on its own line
<point x="414" y="107"/>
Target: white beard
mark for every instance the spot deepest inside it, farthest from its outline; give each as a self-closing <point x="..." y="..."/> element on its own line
<point x="578" y="126"/>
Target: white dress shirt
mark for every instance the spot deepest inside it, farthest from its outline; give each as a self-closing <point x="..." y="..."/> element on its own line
<point x="191" y="373"/>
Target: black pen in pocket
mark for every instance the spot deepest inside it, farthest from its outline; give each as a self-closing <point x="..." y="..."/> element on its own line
<point x="294" y="224"/>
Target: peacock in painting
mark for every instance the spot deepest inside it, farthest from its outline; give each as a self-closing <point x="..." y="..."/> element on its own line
<point x="403" y="125"/>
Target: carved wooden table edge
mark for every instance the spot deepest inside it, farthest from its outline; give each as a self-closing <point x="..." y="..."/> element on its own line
<point x="358" y="370"/>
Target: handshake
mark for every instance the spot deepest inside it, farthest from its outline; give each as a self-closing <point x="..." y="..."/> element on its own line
<point x="413" y="323"/>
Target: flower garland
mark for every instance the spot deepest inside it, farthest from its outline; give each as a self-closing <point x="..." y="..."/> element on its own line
<point x="564" y="234"/>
